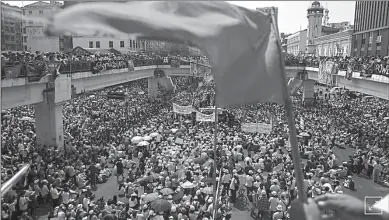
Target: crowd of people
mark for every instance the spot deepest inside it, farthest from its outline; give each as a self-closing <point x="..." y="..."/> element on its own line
<point x="26" y="64"/>
<point x="162" y="161"/>
<point x="367" y="65"/>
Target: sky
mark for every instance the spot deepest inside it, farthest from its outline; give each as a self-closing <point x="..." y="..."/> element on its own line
<point x="291" y="14"/>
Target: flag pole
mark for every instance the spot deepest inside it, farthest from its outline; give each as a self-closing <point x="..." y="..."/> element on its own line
<point x="291" y="124"/>
<point x="214" y="159"/>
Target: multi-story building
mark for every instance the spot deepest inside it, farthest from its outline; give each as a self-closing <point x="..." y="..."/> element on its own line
<point x="315" y="25"/>
<point x="371" y="28"/>
<point x="284" y="41"/>
<point x="33" y="30"/>
<point x="337" y="44"/>
<point x="296" y="43"/>
<point x="124" y="44"/>
<point x="11" y="28"/>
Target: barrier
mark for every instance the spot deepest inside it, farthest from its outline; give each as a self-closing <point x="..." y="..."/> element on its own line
<point x="11" y="182"/>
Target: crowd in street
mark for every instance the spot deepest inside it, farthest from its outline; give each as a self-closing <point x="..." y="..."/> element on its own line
<point x="162" y="161"/>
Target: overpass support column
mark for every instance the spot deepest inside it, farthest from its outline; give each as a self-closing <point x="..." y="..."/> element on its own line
<point x="308" y="91"/>
<point x="48" y="114"/>
<point x="49" y="124"/>
<point x="152" y="87"/>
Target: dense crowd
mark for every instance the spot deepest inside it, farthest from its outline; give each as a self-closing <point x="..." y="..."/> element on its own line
<point x="163" y="161"/>
<point x="39" y="64"/>
<point x="367" y="65"/>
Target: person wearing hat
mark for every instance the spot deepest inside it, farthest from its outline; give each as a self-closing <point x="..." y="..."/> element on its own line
<point x="279" y="214"/>
<point x="273" y="202"/>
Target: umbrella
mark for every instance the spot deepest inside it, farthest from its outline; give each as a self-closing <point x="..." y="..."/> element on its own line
<point x="386" y="118"/>
<point x="155" y="134"/>
<point x="166" y="191"/>
<point x="207" y="190"/>
<point x="304" y="134"/>
<point x="200" y="160"/>
<point x="26" y="119"/>
<point x="150" y="197"/>
<point x="188" y="121"/>
<point x="178" y="196"/>
<point x="151" y="178"/>
<point x="147" y="138"/>
<point x="160" y="205"/>
<point x="136" y="139"/>
<point x="143" y="143"/>
<point x="367" y="115"/>
<point x="187" y="185"/>
<point x="179" y="134"/>
<point x="207" y="180"/>
<point x="92" y="96"/>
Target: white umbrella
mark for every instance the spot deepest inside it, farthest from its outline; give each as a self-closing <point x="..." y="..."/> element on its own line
<point x="136" y="139"/>
<point x="188" y="185"/>
<point x="143" y="143"/>
<point x="368" y="115"/>
<point x="147" y="138"/>
<point x="26" y="119"/>
<point x="92" y="96"/>
<point x="304" y="134"/>
<point x="155" y="134"/>
<point x="174" y="130"/>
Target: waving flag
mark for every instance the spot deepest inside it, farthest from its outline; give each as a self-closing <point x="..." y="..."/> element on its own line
<point x="239" y="42"/>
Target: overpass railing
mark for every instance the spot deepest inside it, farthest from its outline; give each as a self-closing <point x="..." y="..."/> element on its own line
<point x="366" y="69"/>
<point x="36" y="70"/>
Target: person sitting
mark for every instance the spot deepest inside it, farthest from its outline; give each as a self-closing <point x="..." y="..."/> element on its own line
<point x="349" y="183"/>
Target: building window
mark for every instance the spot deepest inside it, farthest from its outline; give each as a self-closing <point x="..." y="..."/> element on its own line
<point x="133" y="44"/>
<point x="110" y="44"/>
<point x="25" y="39"/>
<point x="121" y="43"/>
<point x="97" y="44"/>
<point x="24" y="30"/>
<point x="130" y="43"/>
<point x="30" y="22"/>
<point x="90" y="44"/>
<point x="30" y="12"/>
<point x="41" y="12"/>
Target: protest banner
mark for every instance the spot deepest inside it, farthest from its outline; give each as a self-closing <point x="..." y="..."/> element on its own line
<point x="349" y="73"/>
<point x="199" y="70"/>
<point x="249" y="127"/>
<point x="326" y="70"/>
<point x="185" y="110"/>
<point x="261" y="128"/>
<point x="264" y="128"/>
<point x="203" y="117"/>
<point x="131" y="66"/>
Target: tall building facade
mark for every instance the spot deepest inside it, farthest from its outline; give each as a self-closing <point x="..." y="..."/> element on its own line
<point x="34" y="38"/>
<point x="11" y="28"/>
<point x="124" y="44"/>
<point x="296" y="43"/>
<point x="371" y="28"/>
<point x="315" y="15"/>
